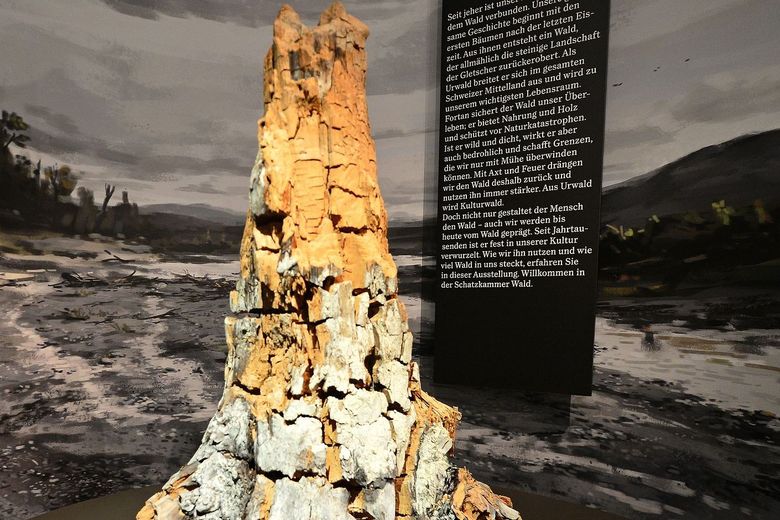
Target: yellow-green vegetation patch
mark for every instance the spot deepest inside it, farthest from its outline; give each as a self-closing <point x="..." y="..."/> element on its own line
<point x="689" y="342"/>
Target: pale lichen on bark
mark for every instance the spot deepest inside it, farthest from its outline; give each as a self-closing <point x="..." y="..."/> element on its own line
<point x="322" y="415"/>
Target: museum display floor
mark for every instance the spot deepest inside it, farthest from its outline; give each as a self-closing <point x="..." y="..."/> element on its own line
<point x="124" y="505"/>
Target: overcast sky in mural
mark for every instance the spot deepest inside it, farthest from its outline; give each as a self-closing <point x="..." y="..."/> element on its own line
<point x="161" y="97"/>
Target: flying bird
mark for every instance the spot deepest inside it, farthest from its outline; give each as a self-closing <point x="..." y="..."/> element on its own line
<point x="617" y="84"/>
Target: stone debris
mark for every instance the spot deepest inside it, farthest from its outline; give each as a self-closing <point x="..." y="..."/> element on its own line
<point x="473" y="500"/>
<point x="322" y="415"/>
<point x="289" y="448"/>
<point x="309" y="498"/>
<point x="221" y="487"/>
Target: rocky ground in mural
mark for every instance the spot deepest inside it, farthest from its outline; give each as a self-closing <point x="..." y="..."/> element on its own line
<point x="110" y="368"/>
<point x="112" y="357"/>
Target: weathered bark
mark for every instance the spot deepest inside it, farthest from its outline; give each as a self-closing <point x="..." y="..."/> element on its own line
<point x="322" y="415"/>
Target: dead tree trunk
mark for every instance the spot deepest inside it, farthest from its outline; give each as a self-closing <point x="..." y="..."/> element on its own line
<point x="109" y="193"/>
<point x="322" y="415"/>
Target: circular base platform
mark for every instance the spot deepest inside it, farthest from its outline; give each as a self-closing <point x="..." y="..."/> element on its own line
<point x="124" y="506"/>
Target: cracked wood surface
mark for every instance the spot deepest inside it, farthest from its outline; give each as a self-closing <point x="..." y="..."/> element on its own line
<point x="322" y="415"/>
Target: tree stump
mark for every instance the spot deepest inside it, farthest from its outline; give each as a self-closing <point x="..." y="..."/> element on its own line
<point x="322" y="415"/>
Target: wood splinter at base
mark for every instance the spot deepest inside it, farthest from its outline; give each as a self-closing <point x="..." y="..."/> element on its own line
<point x="322" y="415"/>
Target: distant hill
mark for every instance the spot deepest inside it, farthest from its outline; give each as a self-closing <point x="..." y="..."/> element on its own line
<point x="740" y="171"/>
<point x="171" y="223"/>
<point x="203" y="212"/>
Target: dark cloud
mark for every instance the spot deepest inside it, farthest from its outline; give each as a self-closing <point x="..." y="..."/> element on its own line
<point x="203" y="187"/>
<point x="68" y="139"/>
<point x="732" y="100"/>
<point x="96" y="125"/>
<point x="77" y="143"/>
<point x="183" y="163"/>
<point x="621" y="11"/>
<point x="401" y="193"/>
<point x="642" y="135"/>
<point x="54" y="132"/>
<point x="251" y="13"/>
<point x="402" y="64"/>
<point x="112" y="65"/>
<point x="61" y="122"/>
<point x="391" y="133"/>
<point x="409" y="61"/>
<point x="120" y="64"/>
<point x="145" y="163"/>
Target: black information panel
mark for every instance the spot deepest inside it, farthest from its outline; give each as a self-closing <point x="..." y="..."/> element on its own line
<point x="523" y="86"/>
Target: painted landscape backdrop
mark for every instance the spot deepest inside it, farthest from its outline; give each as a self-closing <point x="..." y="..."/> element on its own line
<point x="127" y="139"/>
